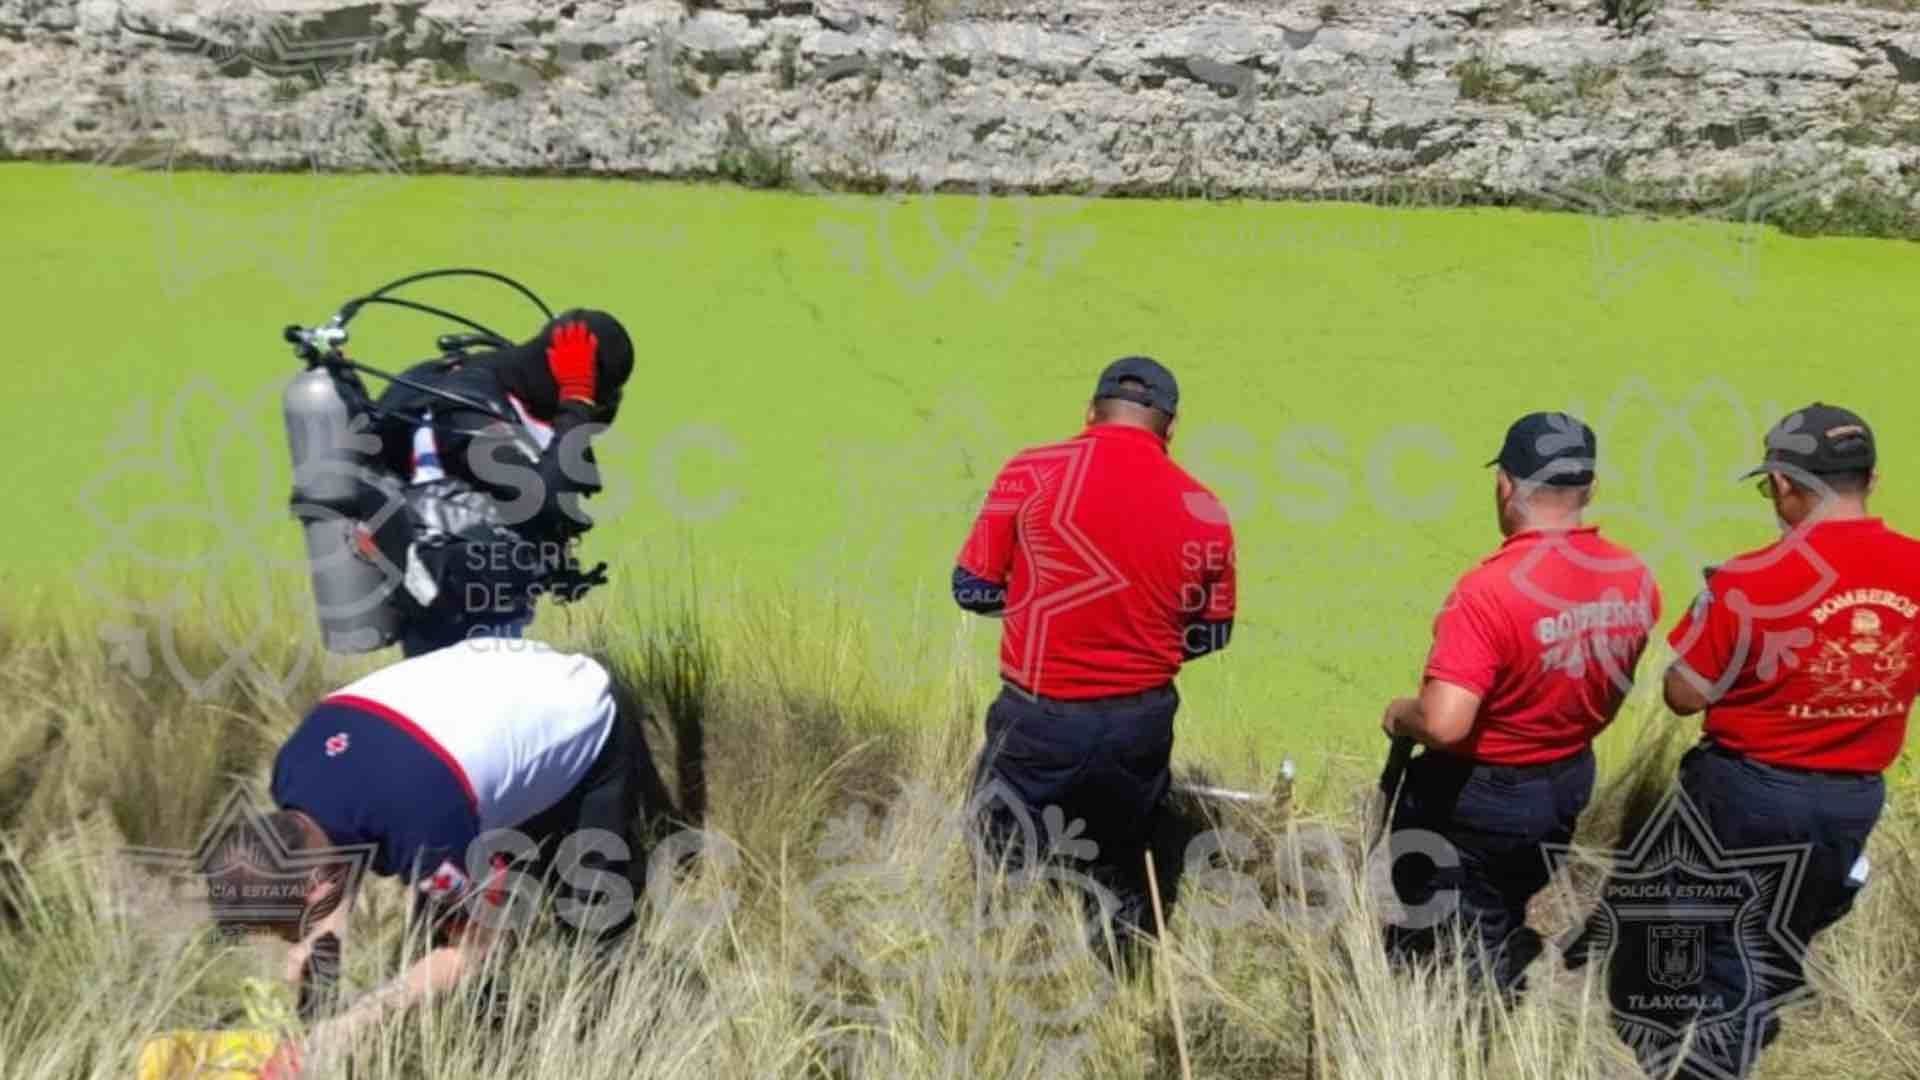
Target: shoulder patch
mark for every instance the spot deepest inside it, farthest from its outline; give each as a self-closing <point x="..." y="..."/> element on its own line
<point x="448" y="882"/>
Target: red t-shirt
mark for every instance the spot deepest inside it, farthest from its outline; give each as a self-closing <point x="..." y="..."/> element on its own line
<point x="1548" y="631"/>
<point x="1809" y="647"/>
<point x="1109" y="551"/>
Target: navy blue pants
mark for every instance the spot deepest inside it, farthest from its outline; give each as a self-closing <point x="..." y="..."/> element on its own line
<point x="1106" y="763"/>
<point x="1747" y="804"/>
<point x="1495" y="818"/>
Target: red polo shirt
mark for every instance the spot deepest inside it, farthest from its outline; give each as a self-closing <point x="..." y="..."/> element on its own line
<point x="1108" y="551"/>
<point x="1810" y="646"/>
<point x="1548" y="631"/>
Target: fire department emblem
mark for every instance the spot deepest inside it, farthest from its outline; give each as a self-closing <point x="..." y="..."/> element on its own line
<point x="1866" y="665"/>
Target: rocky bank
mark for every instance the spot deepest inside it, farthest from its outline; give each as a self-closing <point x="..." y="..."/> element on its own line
<point x="1719" y="102"/>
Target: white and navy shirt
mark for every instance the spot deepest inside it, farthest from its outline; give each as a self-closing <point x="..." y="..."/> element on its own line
<point x="422" y="757"/>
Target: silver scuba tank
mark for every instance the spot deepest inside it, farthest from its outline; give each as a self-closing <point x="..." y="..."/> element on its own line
<point x="353" y="583"/>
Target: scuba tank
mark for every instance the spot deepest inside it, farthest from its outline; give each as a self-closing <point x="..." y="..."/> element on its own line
<point x="353" y="581"/>
<point x="379" y="546"/>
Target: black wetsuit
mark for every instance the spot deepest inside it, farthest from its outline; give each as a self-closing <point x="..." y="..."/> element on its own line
<point x="495" y="482"/>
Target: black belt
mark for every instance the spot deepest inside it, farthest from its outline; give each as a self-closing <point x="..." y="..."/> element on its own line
<point x="1544" y="768"/>
<point x="1708" y="746"/>
<point x="1099" y="704"/>
<point x="1519" y="772"/>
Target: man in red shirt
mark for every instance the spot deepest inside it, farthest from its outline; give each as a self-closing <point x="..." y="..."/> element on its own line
<point x="1109" y="567"/>
<point x="1802" y="655"/>
<point x="1533" y="652"/>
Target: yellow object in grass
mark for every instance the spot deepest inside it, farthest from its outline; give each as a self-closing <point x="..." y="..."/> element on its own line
<point x="206" y="1055"/>
<point x="270" y="1005"/>
<point x="271" y="1017"/>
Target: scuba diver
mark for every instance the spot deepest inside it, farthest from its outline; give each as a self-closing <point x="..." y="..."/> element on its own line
<point x="445" y="507"/>
<point x="495" y="506"/>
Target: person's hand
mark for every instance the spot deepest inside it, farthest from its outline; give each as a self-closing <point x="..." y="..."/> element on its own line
<point x="1394" y="720"/>
<point x="570" y="359"/>
<point x="284" y="1064"/>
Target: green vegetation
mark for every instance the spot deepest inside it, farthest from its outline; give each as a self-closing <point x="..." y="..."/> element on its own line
<point x="1876" y="118"/>
<point x="1592" y="80"/>
<point x="832" y="945"/>
<point x="919" y="16"/>
<point x="1626" y="15"/>
<point x="840" y="437"/>
<point x="788" y="64"/>
<point x="746" y="160"/>
<point x="1857" y="209"/>
<point x="824" y="389"/>
<point x="1407" y="66"/>
<point x="406" y="153"/>
<point x="1479" y="79"/>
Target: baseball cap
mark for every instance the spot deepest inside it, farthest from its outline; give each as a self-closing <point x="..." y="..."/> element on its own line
<point x="1818" y="439"/>
<point x="1157" y="387"/>
<point x="1549" y="448"/>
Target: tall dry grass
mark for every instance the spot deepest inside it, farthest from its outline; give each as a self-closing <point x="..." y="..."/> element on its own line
<point x="834" y="928"/>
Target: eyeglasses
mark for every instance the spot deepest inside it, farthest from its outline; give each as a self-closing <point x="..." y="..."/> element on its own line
<point x="1765" y="488"/>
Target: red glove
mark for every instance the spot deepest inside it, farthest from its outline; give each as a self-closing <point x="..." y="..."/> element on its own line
<point x="570" y="359"/>
<point x="284" y="1064"/>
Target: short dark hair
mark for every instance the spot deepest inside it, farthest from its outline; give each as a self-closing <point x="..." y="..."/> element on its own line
<point x="1120" y="408"/>
<point x="246" y="890"/>
<point x="1850" y="482"/>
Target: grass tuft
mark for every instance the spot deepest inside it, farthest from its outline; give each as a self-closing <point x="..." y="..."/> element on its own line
<point x="844" y="938"/>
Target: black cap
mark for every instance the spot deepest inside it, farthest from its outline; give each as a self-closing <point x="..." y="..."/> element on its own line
<point x="1818" y="439"/>
<point x="1549" y="448"/>
<point x="1157" y="388"/>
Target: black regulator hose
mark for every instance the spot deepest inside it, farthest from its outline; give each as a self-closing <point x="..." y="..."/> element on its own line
<point x="379" y="295"/>
<point x="321" y="346"/>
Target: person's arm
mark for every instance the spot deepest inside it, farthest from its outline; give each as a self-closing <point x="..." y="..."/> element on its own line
<point x="440" y="970"/>
<point x="1210" y="628"/>
<point x="1701" y="647"/>
<point x="327" y="935"/>
<point x="976" y="594"/>
<point x="986" y="559"/>
<point x="1441" y="717"/>
<point x="1686" y="693"/>
<point x="1470" y="647"/>
<point x="1204" y="638"/>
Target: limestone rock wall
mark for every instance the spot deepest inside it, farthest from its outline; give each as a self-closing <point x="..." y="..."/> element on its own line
<point x="1720" y="100"/>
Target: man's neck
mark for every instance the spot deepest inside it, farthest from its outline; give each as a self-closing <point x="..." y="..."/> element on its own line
<point x="1837" y="508"/>
<point x="1548" y="523"/>
<point x="1130" y="426"/>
